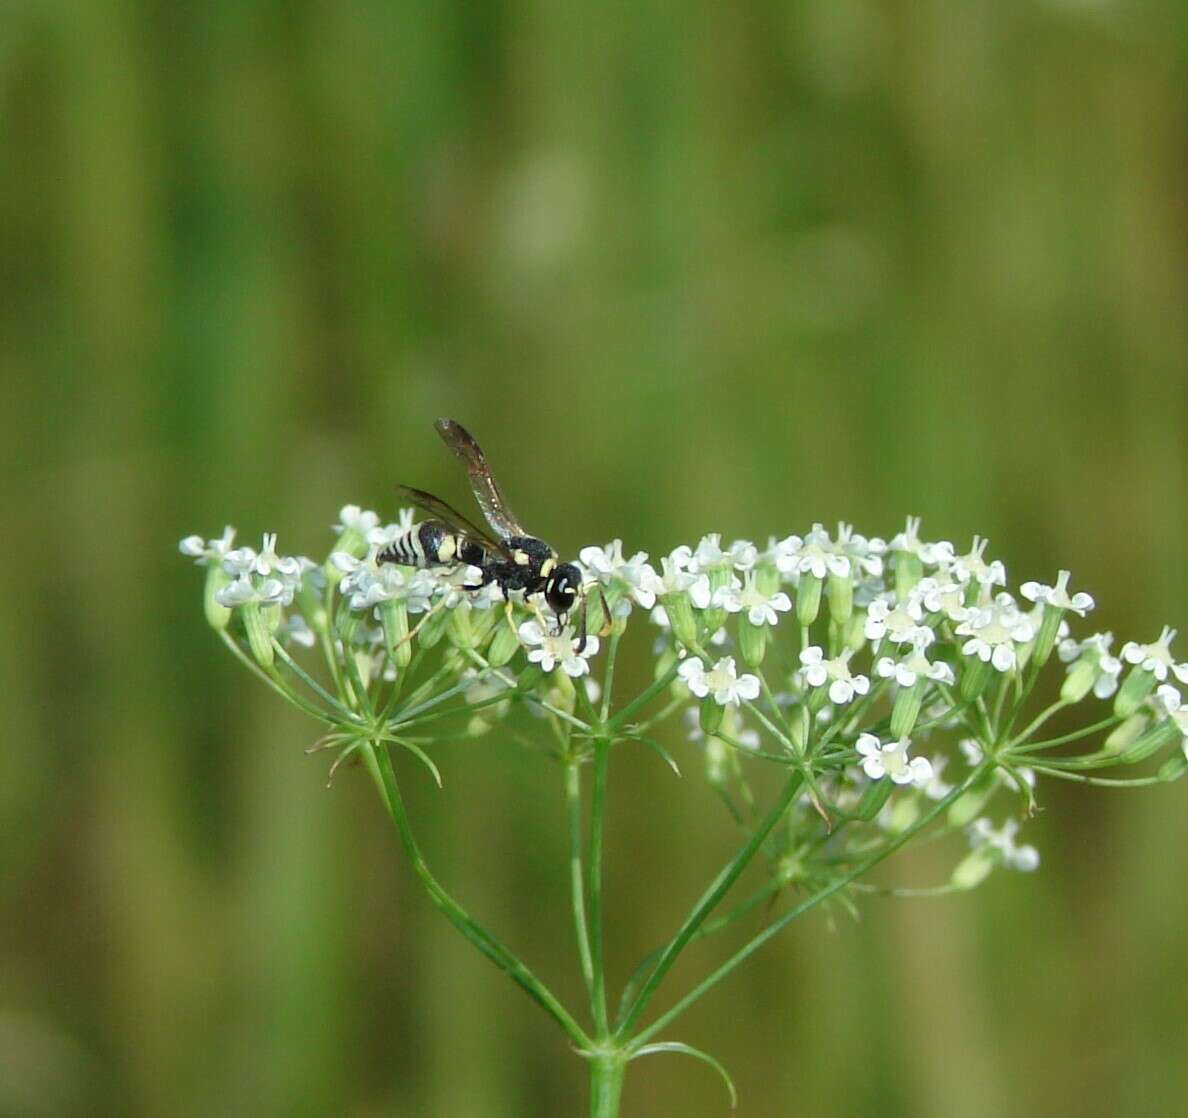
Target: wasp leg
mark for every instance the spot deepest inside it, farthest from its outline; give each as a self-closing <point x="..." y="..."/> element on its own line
<point x="418" y="626"/>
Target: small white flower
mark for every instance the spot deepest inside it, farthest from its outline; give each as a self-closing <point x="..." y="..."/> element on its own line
<point x="816" y="554"/>
<point x="982" y="833"/>
<point x="930" y="554"/>
<point x="552" y="649"/>
<point x="208" y="551"/>
<point x="678" y="576"/>
<point x="899" y="623"/>
<point x="386" y="535"/>
<point x="891" y="759"/>
<point x="1168" y="699"/>
<point x="843" y="685"/>
<point x="722" y="681"/>
<point x="1156" y="657"/>
<point x="636" y="575"/>
<point x="1096" y="650"/>
<point x="761" y="608"/>
<point x="940" y="594"/>
<point x="270" y="565"/>
<point x="1057" y="596"/>
<point x="351" y="518"/>
<point x="913" y="666"/>
<point x="743" y="555"/>
<point x="246" y="590"/>
<point x="973" y="566"/>
<point x="865" y="555"/>
<point x="995" y="632"/>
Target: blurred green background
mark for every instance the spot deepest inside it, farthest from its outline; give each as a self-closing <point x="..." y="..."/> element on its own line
<point x="682" y="268"/>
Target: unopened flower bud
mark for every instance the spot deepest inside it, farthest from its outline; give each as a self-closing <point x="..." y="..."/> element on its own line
<point x="1137" y="685"/>
<point x="1124" y="736"/>
<point x="394" y="621"/>
<point x="873" y="798"/>
<point x="1048" y="631"/>
<point x="711" y="715"/>
<point x="433" y="628"/>
<point x="715" y="617"/>
<point x="841" y="597"/>
<point x="259" y="633"/>
<point x="969" y="807"/>
<point x="1150" y="742"/>
<point x="975" y="675"/>
<point x="458" y="626"/>
<point x="767" y="579"/>
<point x="974" y="868"/>
<point x="217" y="615"/>
<point x="679" y="609"/>
<point x="908" y="571"/>
<point x="504" y="645"/>
<point x="752" y="642"/>
<point x="906" y="709"/>
<point x="808" y="598"/>
<point x="1174" y="767"/>
<point x="1079" y="681"/>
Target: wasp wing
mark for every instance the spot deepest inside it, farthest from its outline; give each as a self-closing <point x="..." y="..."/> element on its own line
<point x="486" y="490"/>
<point x="450" y="516"/>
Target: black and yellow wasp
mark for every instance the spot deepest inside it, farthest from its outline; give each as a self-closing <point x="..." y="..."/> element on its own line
<point x="519" y="564"/>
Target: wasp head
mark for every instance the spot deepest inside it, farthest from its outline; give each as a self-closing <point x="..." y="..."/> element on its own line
<point x="561" y="589"/>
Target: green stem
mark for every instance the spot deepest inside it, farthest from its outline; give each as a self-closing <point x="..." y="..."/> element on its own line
<point x="644" y="697"/>
<point x="1064" y="739"/>
<point x="608" y="679"/>
<point x="709" y="900"/>
<point x="827" y="891"/>
<point x="308" y="680"/>
<point x="597" y="804"/>
<point x="381" y="765"/>
<point x="606" y="1084"/>
<point x="277" y="683"/>
<point x="577" y="887"/>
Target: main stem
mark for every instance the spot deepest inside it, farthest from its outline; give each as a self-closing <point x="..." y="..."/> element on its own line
<point x="597" y="803"/>
<point x="606" y="1083"/>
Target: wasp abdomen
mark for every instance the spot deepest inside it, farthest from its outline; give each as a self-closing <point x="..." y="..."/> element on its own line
<point x="427" y="544"/>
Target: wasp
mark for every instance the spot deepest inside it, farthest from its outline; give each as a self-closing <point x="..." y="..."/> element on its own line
<point x="520" y="564"/>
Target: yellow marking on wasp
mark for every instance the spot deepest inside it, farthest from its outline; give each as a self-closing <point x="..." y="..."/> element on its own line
<point x="547" y="566"/>
<point x="521" y="557"/>
<point x="448" y="549"/>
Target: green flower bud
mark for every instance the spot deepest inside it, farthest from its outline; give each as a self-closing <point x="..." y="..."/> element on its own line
<point x="562" y="692"/>
<point x="715" y="617"/>
<point x="504" y="645"/>
<point x="1046" y="640"/>
<point x="975" y="675"/>
<point x="1173" y="768"/>
<point x="711" y="715"/>
<point x="798" y="724"/>
<point x="595" y="614"/>
<point x="974" y="868"/>
<point x="482" y="624"/>
<point x="873" y="798"/>
<point x="854" y="632"/>
<point x="841" y="597"/>
<point x="965" y="810"/>
<point x="1079" y="681"/>
<point x="458" y="626"/>
<point x="433" y="628"/>
<point x="394" y="620"/>
<point x="259" y="633"/>
<point x="908" y="571"/>
<point x="346" y="621"/>
<point x="1137" y="685"/>
<point x="217" y="616"/>
<point x="530" y="677"/>
<point x="904" y="812"/>
<point x="1150" y="742"/>
<point x="906" y="709"/>
<point x="808" y="599"/>
<point x="767" y="579"/>
<point x="752" y="642"/>
<point x="680" y="616"/>
<point x="1123" y="736"/>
